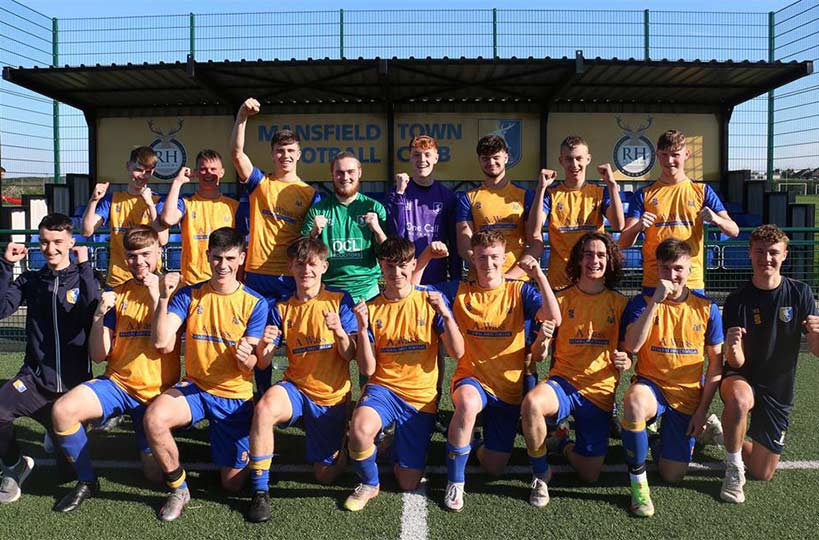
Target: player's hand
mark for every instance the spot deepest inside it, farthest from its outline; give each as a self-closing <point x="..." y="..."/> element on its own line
<point x="545" y="179"/>
<point x="362" y="316"/>
<point x="707" y="215"/>
<point x="250" y="107"/>
<point x="371" y="220"/>
<point x="184" y="176"/>
<point x="107" y="301"/>
<point x="244" y="355"/>
<point x="733" y="336"/>
<point x="401" y="182"/>
<point x="100" y="188"/>
<point x="151" y="282"/>
<point x="267" y="344"/>
<point x="333" y="322"/>
<point x="169" y="284"/>
<point x="436" y="300"/>
<point x="15" y="252"/>
<point x="438" y="250"/>
<point x="621" y="360"/>
<point x="530" y="265"/>
<point x="147" y="196"/>
<point x="81" y="253"/>
<point x="663" y="290"/>
<point x="547" y="329"/>
<point x="607" y="175"/>
<point x="811" y="324"/>
<point x="319" y="222"/>
<point x="696" y="426"/>
<point x="647" y="220"/>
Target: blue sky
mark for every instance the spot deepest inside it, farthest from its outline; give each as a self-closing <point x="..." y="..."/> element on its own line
<point x="105" y="8"/>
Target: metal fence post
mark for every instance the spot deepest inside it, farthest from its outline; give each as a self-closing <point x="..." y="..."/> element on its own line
<point x="646" y="34"/>
<point x="192" y="36"/>
<point x="341" y="33"/>
<point x="55" y="105"/>
<point x="771" y="100"/>
<point x="494" y="32"/>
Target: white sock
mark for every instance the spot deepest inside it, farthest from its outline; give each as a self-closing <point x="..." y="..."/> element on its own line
<point x="638" y="478"/>
<point x="735" y="459"/>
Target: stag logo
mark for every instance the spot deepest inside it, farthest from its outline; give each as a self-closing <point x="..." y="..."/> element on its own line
<point x="171" y="153"/>
<point x="634" y="155"/>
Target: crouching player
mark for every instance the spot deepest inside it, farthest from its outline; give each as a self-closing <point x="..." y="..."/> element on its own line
<point x="135" y="374"/>
<point x="671" y="332"/>
<point x="586" y="367"/>
<point x="316" y="324"/>
<point x="397" y="348"/>
<point x="224" y="321"/>
<point x="493" y="313"/>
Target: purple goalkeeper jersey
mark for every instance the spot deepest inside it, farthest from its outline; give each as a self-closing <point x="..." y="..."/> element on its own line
<point x="423" y="215"/>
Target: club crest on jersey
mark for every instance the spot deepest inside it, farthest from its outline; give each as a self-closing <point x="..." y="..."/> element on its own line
<point x="299" y="203"/>
<point x="560" y="206"/>
<point x="199" y="310"/>
<point x="478" y="205"/>
<point x="436" y="207"/>
<point x="379" y="324"/>
<point x="786" y="314"/>
<point x="422" y="322"/>
<point x="633" y="153"/>
<point x="510" y="130"/>
<point x="72" y="295"/>
<point x="169" y="151"/>
<point x="236" y="320"/>
<point x="571" y="313"/>
<point x="655" y="201"/>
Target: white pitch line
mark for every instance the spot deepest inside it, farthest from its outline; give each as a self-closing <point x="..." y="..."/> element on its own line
<point x="436" y="470"/>
<point x="414" y="514"/>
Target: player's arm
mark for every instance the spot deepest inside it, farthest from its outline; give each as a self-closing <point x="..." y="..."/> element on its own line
<point x="811" y="326"/>
<point x="91" y="221"/>
<point x="614" y="213"/>
<point x="396" y="206"/>
<point x="549" y="309"/>
<point x="267" y="346"/>
<point x="713" y="376"/>
<point x="245" y="353"/>
<point x="534" y="239"/>
<point x="103" y="323"/>
<point x="11" y="292"/>
<point x="540" y="347"/>
<point x="734" y="350"/>
<point x="241" y="161"/>
<point x="638" y="331"/>
<point x="463" y="231"/>
<point x="346" y="346"/>
<point x="537" y="214"/>
<point x="373" y="221"/>
<point x="167" y="323"/>
<point x="171" y="214"/>
<point x="435" y="250"/>
<point x="153" y="213"/>
<point x="364" y="354"/>
<point x="714" y="212"/>
<point x="451" y="335"/>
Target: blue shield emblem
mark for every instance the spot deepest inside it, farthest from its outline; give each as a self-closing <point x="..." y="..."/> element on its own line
<point x="511" y="131"/>
<point x="786" y="314"/>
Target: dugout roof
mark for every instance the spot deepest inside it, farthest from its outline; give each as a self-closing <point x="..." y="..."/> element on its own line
<point x="349" y="85"/>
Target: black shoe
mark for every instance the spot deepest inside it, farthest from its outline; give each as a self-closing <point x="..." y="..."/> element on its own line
<point x="614" y="428"/>
<point x="259" y="510"/>
<point x="75" y="497"/>
<point x="441" y="424"/>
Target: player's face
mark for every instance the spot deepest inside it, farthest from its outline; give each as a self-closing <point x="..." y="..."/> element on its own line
<point x="397" y="275"/>
<point x="676" y="271"/>
<point x="493" y="165"/>
<point x="225" y="263"/>
<point x="575" y="161"/>
<point x="346" y="177"/>
<point x="594" y="261"/>
<point x="423" y="161"/>
<point x="285" y="156"/>
<point x="307" y="274"/>
<point x="140" y="174"/>
<point x="767" y="257"/>
<point x="672" y="160"/>
<point x="210" y="171"/>
<point x="55" y="246"/>
<point x="142" y="262"/>
<point x="488" y="261"/>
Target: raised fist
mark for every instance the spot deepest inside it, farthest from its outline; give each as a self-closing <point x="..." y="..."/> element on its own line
<point x="438" y="250"/>
<point x="707" y="215"/>
<point x="184" y="175"/>
<point x="319" y="223"/>
<point x="15" y="252"/>
<point x="546" y="178"/>
<point x="107" y="301"/>
<point x="436" y="300"/>
<point x="547" y="329"/>
<point x="333" y="322"/>
<point x="249" y="108"/>
<point x="244" y="355"/>
<point x="362" y="316"/>
<point x="169" y="284"/>
<point x="529" y="264"/>
<point x="81" y="253"/>
<point x="647" y="220"/>
<point x="606" y="173"/>
<point x="100" y="188"/>
<point x="663" y="290"/>
<point x="401" y="183"/>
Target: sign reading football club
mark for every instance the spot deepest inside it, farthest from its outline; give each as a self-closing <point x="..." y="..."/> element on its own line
<point x="512" y="133"/>
<point x="170" y="152"/>
<point x="634" y="154"/>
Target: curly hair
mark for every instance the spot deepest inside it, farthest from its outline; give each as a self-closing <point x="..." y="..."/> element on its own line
<point x="614" y="264"/>
<point x="768" y="234"/>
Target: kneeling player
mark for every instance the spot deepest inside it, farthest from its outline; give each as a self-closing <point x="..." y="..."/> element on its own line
<point x="586" y="367"/>
<point x="671" y="332"/>
<point x="397" y="348"/>
<point x="764" y="321"/>
<point x="316" y="324"/>
<point x="136" y="372"/>
<point x="492" y="313"/>
<point x="224" y="321"/>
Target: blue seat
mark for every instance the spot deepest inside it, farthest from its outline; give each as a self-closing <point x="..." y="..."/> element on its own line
<point x="633" y="258"/>
<point x="734" y="208"/>
<point x="101" y="258"/>
<point x="735" y="258"/>
<point x="173" y="258"/>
